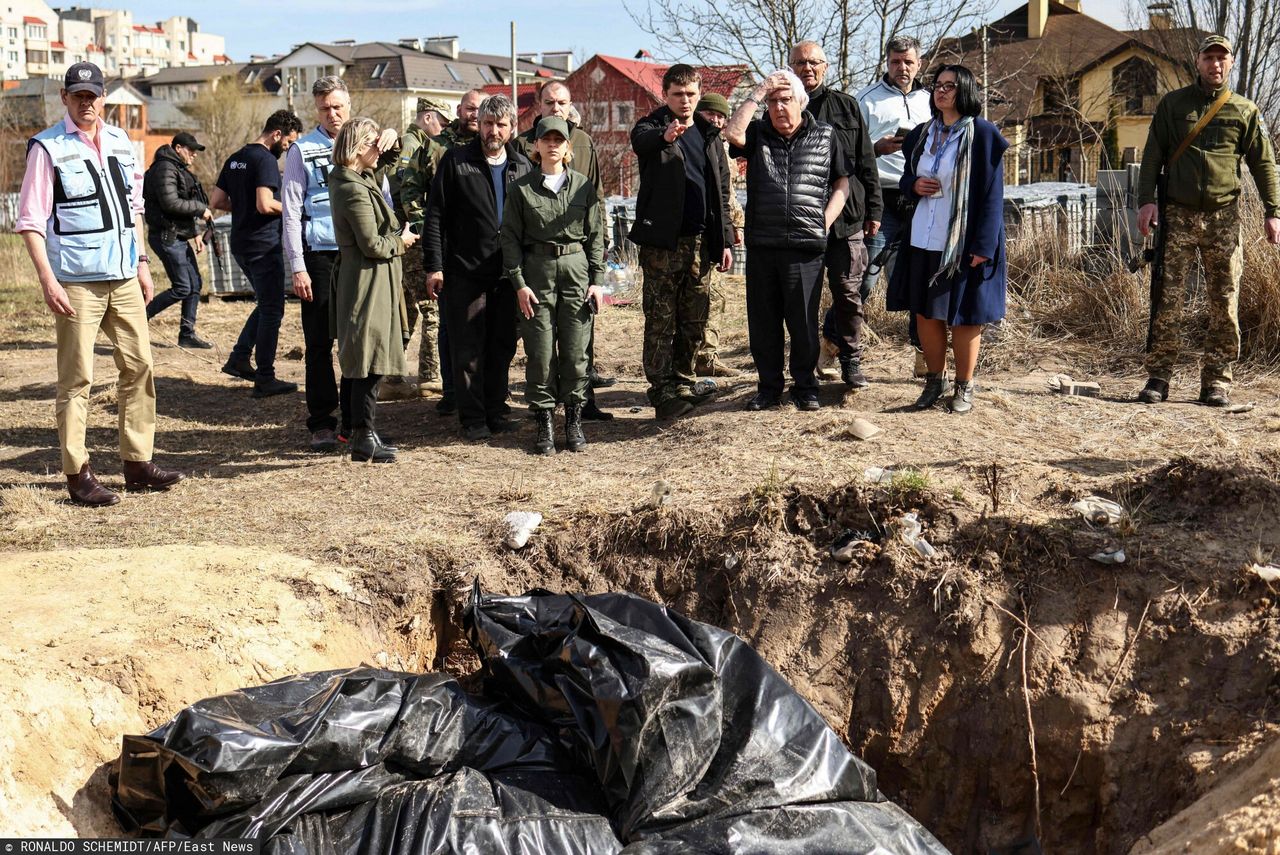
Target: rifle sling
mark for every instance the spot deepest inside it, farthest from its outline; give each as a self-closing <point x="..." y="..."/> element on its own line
<point x="1217" y="105"/>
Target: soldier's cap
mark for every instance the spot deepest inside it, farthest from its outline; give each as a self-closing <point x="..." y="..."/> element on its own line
<point x="187" y="140"/>
<point x="716" y="103"/>
<point x="84" y="77"/>
<point x="1214" y="41"/>
<point x="425" y="104"/>
<point x="549" y="124"/>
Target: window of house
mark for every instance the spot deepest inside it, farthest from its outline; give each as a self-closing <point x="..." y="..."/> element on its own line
<point x="453" y="72"/>
<point x="251" y="76"/>
<point x="1133" y="83"/>
<point x="624" y="115"/>
<point x="379" y="70"/>
<point x="485" y="74"/>
<point x="58" y="56"/>
<point x="598" y="116"/>
<point x="36" y="31"/>
<point x="13" y="56"/>
<point x="13" y="32"/>
<point x="111" y="41"/>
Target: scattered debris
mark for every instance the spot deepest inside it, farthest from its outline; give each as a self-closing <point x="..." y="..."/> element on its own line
<point x="1266" y="572"/>
<point x="912" y="535"/>
<point x="634" y="410"/>
<point x="520" y="525"/>
<point x="1239" y="408"/>
<point x="876" y="475"/>
<point x="731" y="561"/>
<point x="1109" y="556"/>
<point x="850" y="543"/>
<point x="864" y="430"/>
<point x="1064" y="385"/>
<point x="661" y="494"/>
<point x="1099" y="511"/>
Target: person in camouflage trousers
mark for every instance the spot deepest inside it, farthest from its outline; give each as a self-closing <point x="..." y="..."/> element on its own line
<point x="430" y="122"/>
<point x="415" y="185"/>
<point x="715" y="109"/>
<point x="1202" y="216"/>
<point x="683" y="230"/>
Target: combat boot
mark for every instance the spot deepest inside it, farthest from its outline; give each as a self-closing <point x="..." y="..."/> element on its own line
<point x="545" y="442"/>
<point x="1215" y="395"/>
<point x="851" y="372"/>
<point x="1155" y="392"/>
<point x="574" y="438"/>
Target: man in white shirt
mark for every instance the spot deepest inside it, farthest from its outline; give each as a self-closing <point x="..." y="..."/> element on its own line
<point x="891" y="107"/>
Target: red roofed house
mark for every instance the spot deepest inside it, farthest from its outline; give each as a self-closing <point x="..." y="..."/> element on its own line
<point x="611" y="93"/>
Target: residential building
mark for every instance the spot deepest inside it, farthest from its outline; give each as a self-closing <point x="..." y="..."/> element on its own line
<point x="1070" y="93"/>
<point x="130" y="48"/>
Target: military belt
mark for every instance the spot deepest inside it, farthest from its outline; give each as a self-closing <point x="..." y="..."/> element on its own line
<point x="554" y="250"/>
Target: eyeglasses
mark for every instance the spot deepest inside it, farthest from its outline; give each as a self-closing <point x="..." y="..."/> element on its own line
<point x="944" y="87"/>
<point x="784" y="101"/>
<point x="808" y="63"/>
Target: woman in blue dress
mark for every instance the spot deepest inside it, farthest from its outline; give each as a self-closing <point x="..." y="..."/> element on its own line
<point x="951" y="271"/>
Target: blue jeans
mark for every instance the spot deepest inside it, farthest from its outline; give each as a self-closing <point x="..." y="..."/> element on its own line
<point x="262" y="328"/>
<point x="179" y="261"/>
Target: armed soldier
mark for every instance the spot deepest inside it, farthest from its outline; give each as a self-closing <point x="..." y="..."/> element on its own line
<point x="429" y="123"/>
<point x="1198" y="137"/>
<point x="415" y="185"/>
<point x="714" y="107"/>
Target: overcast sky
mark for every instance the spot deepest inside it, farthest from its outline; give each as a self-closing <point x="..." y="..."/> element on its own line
<point x="584" y="26"/>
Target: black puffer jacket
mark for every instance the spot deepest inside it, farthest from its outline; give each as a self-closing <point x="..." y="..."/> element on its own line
<point x="172" y="196"/>
<point x="660" y="202"/>
<point x="788" y="185"/>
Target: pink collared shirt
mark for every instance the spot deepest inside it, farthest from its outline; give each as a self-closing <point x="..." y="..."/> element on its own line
<point x="35" y="202"/>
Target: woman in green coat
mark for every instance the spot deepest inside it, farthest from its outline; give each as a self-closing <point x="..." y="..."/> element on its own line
<point x="366" y="310"/>
<point x="553" y="252"/>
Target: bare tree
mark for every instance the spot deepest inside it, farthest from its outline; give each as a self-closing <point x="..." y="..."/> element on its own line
<point x="760" y="33"/>
<point x="227" y="115"/>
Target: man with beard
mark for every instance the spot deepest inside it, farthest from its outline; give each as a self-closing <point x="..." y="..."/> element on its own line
<point x="415" y="184"/>
<point x="463" y="257"/>
<point x="249" y="187"/>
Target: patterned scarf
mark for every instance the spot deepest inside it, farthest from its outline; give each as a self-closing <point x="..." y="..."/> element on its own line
<point x="962" y="133"/>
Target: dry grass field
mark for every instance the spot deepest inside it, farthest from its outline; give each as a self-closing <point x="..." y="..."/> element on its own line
<point x="1008" y="688"/>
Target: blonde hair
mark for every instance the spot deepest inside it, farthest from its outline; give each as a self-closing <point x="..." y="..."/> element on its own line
<point x="536" y="156"/>
<point x="353" y="135"/>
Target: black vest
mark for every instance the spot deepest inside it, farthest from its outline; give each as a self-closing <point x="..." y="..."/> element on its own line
<point x="788" y="185"/>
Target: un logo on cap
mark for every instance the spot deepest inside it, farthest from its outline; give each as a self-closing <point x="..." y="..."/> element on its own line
<point x="85" y="74"/>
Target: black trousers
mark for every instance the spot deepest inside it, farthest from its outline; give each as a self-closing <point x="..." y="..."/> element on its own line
<point x="322" y="388"/>
<point x="784" y="288"/>
<point x="481" y="316"/>
<point x="360" y="399"/>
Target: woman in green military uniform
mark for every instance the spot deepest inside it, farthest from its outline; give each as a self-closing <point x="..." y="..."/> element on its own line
<point x="367" y="312"/>
<point x="553" y="252"/>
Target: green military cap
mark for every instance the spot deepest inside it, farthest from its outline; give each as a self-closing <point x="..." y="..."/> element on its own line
<point x="715" y="103"/>
<point x="425" y="104"/>
<point x="1214" y="41"/>
<point x="549" y="124"/>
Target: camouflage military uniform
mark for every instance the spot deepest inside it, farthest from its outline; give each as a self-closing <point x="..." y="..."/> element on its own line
<point x="1215" y="237"/>
<point x="1202" y="218"/>
<point x="705" y="359"/>
<point x="677" y="300"/>
<point x="419" y="158"/>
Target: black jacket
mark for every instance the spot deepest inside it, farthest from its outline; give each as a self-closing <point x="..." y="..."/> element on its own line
<point x="788" y="185"/>
<point x="660" y="202"/>
<point x="172" y="197"/>
<point x="842" y="113"/>
<point x="460" y="233"/>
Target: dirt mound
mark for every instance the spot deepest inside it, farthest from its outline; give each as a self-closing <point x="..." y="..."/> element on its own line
<point x="944" y="673"/>
<point x="104" y="642"/>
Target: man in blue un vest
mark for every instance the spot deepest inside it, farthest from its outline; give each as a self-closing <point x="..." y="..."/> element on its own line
<point x="81" y="220"/>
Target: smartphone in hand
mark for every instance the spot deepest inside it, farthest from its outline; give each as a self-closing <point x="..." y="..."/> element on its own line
<point x="903" y="131"/>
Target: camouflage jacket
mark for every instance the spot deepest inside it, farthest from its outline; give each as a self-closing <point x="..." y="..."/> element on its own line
<point x="419" y="169"/>
<point x="736" y="214"/>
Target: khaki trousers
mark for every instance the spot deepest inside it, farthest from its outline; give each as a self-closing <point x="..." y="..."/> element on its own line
<point x="118" y="310"/>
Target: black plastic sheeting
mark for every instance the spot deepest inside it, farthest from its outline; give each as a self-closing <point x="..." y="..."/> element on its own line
<point x="606" y="724"/>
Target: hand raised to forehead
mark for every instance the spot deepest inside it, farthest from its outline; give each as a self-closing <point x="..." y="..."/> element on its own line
<point x="777" y="81"/>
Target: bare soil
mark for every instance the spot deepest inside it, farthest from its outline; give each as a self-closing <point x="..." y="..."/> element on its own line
<point x="1151" y="685"/>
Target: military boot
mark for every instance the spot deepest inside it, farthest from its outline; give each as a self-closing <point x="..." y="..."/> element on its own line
<point x="1215" y="395"/>
<point x="545" y="442"/>
<point x="574" y="438"/>
<point x="1155" y="392"/>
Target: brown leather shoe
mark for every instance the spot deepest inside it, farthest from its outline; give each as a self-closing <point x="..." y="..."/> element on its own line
<point x="85" y="490"/>
<point x="145" y="475"/>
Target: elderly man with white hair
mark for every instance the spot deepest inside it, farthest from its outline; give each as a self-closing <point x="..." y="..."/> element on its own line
<point x="797" y="186"/>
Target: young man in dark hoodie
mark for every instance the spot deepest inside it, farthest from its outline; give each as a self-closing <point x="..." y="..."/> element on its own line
<point x="176" y="205"/>
<point x="683" y="230"/>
